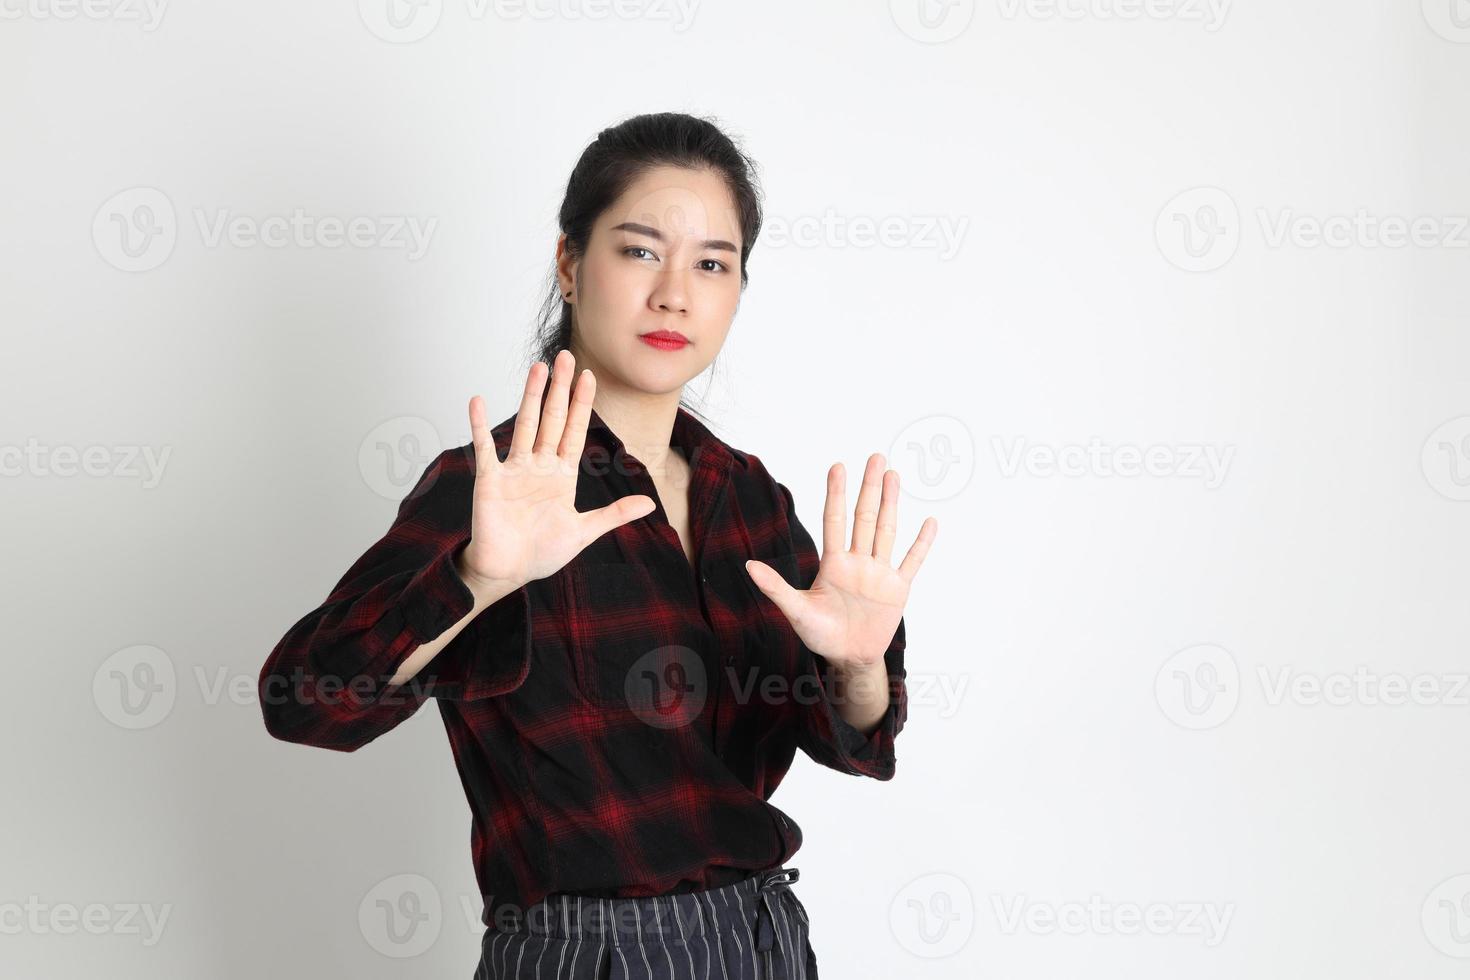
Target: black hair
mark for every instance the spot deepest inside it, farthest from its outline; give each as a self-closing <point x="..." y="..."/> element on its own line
<point x="610" y="164"/>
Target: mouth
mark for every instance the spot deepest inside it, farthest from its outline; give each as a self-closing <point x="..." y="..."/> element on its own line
<point x="664" y="339"/>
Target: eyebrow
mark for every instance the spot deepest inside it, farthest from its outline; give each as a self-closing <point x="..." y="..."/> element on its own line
<point x="658" y="236"/>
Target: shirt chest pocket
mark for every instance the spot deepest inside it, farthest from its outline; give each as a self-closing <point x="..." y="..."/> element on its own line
<point x="632" y="641"/>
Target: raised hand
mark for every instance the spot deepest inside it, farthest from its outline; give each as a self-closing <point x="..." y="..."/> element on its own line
<point x="524" y="523"/>
<point x="851" y="612"/>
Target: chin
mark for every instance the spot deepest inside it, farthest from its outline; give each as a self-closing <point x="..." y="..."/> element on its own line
<point x="653" y="378"/>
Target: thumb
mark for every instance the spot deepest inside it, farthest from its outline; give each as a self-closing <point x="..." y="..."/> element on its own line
<point x="618" y="513"/>
<point x="775" y="588"/>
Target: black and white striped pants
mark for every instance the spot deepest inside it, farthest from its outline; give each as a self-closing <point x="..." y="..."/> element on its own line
<point x="755" y="929"/>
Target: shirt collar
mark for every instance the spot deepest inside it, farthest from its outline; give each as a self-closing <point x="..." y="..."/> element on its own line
<point x="689" y="434"/>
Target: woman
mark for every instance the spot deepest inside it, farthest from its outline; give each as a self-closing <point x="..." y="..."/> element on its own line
<point x="627" y="630"/>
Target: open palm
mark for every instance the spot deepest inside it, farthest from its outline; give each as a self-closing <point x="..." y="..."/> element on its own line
<point x="852" y="610"/>
<point x="524" y="523"/>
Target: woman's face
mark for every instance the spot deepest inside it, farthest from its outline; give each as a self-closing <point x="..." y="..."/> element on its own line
<point x="664" y="257"/>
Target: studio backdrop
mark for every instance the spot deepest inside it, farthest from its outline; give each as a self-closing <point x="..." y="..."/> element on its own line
<point x="1157" y="307"/>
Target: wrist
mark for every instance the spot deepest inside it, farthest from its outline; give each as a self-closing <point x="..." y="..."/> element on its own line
<point x="858" y="684"/>
<point x="486" y="591"/>
<point x="848" y="673"/>
<point x="860" y="695"/>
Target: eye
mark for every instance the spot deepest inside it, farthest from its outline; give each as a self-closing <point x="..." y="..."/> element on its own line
<point x="722" y="266"/>
<point x="635" y="248"/>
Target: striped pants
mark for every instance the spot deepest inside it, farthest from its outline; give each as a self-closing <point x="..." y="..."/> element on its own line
<point x="755" y="929"/>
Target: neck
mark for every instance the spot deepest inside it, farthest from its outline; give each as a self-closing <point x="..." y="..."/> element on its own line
<point x="644" y="422"/>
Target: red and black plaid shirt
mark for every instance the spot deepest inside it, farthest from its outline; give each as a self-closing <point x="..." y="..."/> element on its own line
<point x="619" y="726"/>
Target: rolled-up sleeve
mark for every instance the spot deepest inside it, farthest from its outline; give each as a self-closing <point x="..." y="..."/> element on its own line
<point x="830" y="740"/>
<point x="824" y="734"/>
<point x="328" y="681"/>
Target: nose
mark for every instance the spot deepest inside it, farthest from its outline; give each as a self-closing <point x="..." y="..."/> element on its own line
<point x="670" y="295"/>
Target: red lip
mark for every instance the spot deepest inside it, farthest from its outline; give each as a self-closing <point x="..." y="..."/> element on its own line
<point x="664" y="339"/>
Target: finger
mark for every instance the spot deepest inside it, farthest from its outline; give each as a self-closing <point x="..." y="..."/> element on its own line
<point x="524" y="435"/>
<point x="554" y="411"/>
<point x="485" y="455"/>
<point x="578" y="417"/>
<point x="865" y="516"/>
<point x="775" y="588"/>
<point x="834" y="512"/>
<point x="616" y="514"/>
<point x="918" y="550"/>
<point x="887" y="518"/>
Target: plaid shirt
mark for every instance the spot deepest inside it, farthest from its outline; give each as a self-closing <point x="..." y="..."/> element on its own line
<point x="619" y="726"/>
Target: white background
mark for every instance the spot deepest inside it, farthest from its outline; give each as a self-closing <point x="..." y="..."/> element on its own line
<point x="1132" y="192"/>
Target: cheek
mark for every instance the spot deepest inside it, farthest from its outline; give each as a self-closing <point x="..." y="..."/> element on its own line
<point x="598" y="281"/>
<point x="618" y="285"/>
<point x="610" y="295"/>
<point x="715" y="333"/>
<point x="717" y="308"/>
<point x="717" y="294"/>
